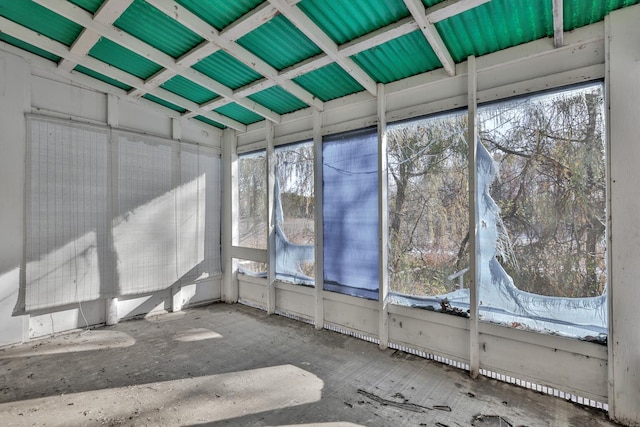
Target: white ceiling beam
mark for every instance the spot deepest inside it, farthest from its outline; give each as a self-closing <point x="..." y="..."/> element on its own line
<point x="195" y="55"/>
<point x="206" y="31"/>
<point x="83" y="18"/>
<point x="449" y="8"/>
<point x="108" y="13"/>
<point x="558" y="23"/>
<point x="81" y="46"/>
<point x="324" y="42"/>
<point x="379" y="36"/>
<point x="249" y="22"/>
<point x="416" y="7"/>
<point x="59" y="49"/>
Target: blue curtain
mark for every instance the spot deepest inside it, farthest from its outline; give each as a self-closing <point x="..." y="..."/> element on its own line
<point x="350" y="210"/>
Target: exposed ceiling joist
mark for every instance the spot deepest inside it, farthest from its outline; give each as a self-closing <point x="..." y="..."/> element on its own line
<point x="83" y="18"/>
<point x="558" y="23"/>
<point x="390" y="32"/>
<point x="417" y="9"/>
<point x="206" y="31"/>
<point x="59" y="49"/>
<point x="449" y="8"/>
<point x="249" y="21"/>
<point x="107" y="14"/>
<point x="324" y="42"/>
<point x="195" y="55"/>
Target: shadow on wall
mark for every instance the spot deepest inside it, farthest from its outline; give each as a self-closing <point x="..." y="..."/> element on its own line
<point x="162" y="234"/>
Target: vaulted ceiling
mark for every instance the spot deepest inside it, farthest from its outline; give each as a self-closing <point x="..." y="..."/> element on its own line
<point x="231" y="63"/>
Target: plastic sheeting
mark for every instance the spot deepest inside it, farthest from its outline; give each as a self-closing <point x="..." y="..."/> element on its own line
<point x="350" y="213"/>
<point x="500" y="300"/>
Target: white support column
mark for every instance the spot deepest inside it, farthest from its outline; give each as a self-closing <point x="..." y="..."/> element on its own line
<point x="319" y="242"/>
<point x="472" y="139"/>
<point x="383" y="219"/>
<point x="113" y="115"/>
<point x="230" y="199"/>
<point x="271" y="237"/>
<point x="623" y="291"/>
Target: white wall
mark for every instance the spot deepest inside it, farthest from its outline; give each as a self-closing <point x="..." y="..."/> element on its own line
<point x="624" y="98"/>
<point x="29" y="85"/>
<point x="14" y="93"/>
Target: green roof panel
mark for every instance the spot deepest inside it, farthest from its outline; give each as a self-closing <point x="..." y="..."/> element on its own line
<point x="28" y="47"/>
<point x="219" y="13"/>
<point x="102" y="77"/>
<point x="279" y="43"/>
<point x="227" y="70"/>
<point x="157" y="29"/>
<point x="164" y="103"/>
<point x="239" y="113"/>
<point x="577" y="13"/>
<point x="40" y="19"/>
<point x="88" y="5"/>
<point x="209" y="122"/>
<point x="345" y="20"/>
<point x="188" y="89"/>
<point x="124" y="59"/>
<point x="496" y="25"/>
<point x="342" y="83"/>
<point x="277" y="99"/>
<point x="399" y="58"/>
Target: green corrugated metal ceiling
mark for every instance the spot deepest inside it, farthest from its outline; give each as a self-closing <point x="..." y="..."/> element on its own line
<point x="219" y="13"/>
<point x="345" y="20"/>
<point x="124" y="59"/>
<point x="40" y="20"/>
<point x="411" y="54"/>
<point x="279" y="43"/>
<point x="227" y="70"/>
<point x="88" y="5"/>
<point x="277" y="99"/>
<point x="496" y="25"/>
<point x="278" y="38"/>
<point x="157" y="29"/>
<point x="188" y="89"/>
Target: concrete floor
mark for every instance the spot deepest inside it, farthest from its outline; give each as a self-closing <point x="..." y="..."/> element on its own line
<point x="234" y="365"/>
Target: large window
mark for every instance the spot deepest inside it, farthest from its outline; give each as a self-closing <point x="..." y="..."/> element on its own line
<point x="252" y="188"/>
<point x="350" y="213"/>
<point x="541" y="193"/>
<point x="428" y="205"/>
<point x="294" y="213"/>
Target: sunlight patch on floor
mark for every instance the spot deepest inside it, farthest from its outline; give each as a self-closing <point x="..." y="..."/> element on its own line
<point x="86" y="340"/>
<point x="196" y="334"/>
<point x="178" y="402"/>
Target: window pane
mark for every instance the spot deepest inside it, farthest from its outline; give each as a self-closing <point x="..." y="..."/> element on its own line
<point x="294" y="209"/>
<point x="541" y="193"/>
<point x="252" y="186"/>
<point x="350" y="213"/>
<point x="428" y="206"/>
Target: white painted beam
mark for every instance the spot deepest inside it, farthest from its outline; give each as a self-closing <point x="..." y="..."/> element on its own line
<point x="271" y="220"/>
<point x="558" y="23"/>
<point x="249" y="22"/>
<point x="416" y="7"/>
<point x="81" y="46"/>
<point x="324" y="42"/>
<point x="83" y="18"/>
<point x="62" y="51"/>
<point x="472" y="138"/>
<point x="383" y="220"/>
<point x="206" y="31"/>
<point x="449" y="8"/>
<point x="230" y="198"/>
<point x="379" y="36"/>
<point x="318" y="220"/>
<point x="108" y="13"/>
